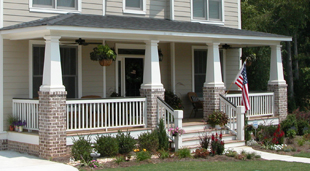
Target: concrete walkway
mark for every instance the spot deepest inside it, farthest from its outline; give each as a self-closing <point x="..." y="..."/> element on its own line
<point x="272" y="156"/>
<point x="14" y="161"/>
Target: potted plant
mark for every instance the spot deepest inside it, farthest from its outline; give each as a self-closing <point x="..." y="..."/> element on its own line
<point x="12" y="120"/>
<point x="104" y="54"/>
<point x="176" y="131"/>
<point x="21" y="125"/>
<point x="217" y="118"/>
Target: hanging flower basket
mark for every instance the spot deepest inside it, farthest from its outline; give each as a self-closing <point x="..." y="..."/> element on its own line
<point x="104" y="54"/>
<point x="105" y="62"/>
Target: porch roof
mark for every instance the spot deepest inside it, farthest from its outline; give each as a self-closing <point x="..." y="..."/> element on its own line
<point x="135" y="25"/>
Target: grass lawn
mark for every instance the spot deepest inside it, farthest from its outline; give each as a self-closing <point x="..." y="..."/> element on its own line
<point x="302" y="154"/>
<point x="219" y="166"/>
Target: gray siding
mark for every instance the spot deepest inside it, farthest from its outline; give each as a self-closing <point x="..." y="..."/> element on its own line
<point x="15" y="74"/>
<point x="232" y="67"/>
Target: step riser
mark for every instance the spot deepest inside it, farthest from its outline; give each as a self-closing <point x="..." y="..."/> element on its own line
<point x="201" y="133"/>
<point x="193" y="127"/>
<point x="197" y="142"/>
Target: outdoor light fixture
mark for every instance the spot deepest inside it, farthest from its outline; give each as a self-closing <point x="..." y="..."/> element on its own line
<point x="160" y="55"/>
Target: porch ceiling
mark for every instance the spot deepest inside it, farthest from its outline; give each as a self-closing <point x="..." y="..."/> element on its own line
<point x="137" y="29"/>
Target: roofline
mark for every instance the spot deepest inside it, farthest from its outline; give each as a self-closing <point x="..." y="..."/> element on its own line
<point x="46" y="29"/>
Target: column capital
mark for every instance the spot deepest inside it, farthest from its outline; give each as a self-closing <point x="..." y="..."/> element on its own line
<point x="51" y="37"/>
<point x="213" y="44"/>
<point x="151" y="42"/>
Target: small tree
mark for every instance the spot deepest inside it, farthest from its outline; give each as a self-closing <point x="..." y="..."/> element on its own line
<point x="162" y="136"/>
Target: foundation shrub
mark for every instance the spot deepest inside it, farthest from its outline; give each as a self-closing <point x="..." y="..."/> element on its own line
<point x="265" y="134"/>
<point x="302" y="125"/>
<point x="107" y="145"/>
<point x="217" y="145"/>
<point x="82" y="148"/>
<point x="201" y="153"/>
<point x="204" y="141"/>
<point x="163" y="154"/>
<point x="162" y="136"/>
<point x="149" y="141"/>
<point x="183" y="153"/>
<point x="289" y="122"/>
<point x="126" y="143"/>
<point x="143" y="155"/>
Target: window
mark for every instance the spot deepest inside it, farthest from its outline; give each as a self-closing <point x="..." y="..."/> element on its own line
<point x="60" y="6"/>
<point x="68" y="57"/>
<point x="207" y="9"/>
<point x="134" y="6"/>
<point x="200" y="68"/>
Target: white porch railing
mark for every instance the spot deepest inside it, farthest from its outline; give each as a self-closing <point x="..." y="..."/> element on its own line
<point x="86" y="114"/>
<point x="105" y="113"/>
<point x="235" y="116"/>
<point x="172" y="119"/>
<point x="28" y="110"/>
<point x="262" y="104"/>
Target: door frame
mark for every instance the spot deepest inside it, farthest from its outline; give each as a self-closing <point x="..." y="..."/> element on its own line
<point x="121" y="58"/>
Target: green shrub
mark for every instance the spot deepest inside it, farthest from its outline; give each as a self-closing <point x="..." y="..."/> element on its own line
<point x="81" y="149"/>
<point x="163" y="154"/>
<point x="162" y="136"/>
<point x="119" y="159"/>
<point x="231" y="153"/>
<point x="301" y="142"/>
<point x="265" y="133"/>
<point x="302" y="124"/>
<point x="291" y="133"/>
<point x="288" y="123"/>
<point x="149" y="141"/>
<point x="217" y="145"/>
<point x="126" y="142"/>
<point x="107" y="145"/>
<point x="183" y="153"/>
<point x="143" y="155"/>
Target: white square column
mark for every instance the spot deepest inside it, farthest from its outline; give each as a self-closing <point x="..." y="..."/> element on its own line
<point x="213" y="85"/>
<point x="52" y="74"/>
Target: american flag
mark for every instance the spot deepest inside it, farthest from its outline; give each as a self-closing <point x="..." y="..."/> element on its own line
<point x="242" y="82"/>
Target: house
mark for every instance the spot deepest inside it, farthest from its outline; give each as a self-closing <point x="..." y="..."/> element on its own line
<point x="45" y="67"/>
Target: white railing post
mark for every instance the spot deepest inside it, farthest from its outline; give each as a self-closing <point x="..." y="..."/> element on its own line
<point x="240" y="122"/>
<point x="178" y="116"/>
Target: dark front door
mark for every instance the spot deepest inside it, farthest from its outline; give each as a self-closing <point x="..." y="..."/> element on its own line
<point x="133" y="76"/>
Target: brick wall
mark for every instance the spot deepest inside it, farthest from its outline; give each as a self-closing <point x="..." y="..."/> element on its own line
<point x="52" y="124"/>
<point x="24" y="147"/>
<point x="3" y="144"/>
<point x="280" y="100"/>
<point x="211" y="99"/>
<point x="151" y="96"/>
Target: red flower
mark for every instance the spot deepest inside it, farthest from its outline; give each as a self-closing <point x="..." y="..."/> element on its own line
<point x="212" y="137"/>
<point x="221" y="136"/>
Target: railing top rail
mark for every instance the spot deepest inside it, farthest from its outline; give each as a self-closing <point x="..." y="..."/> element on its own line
<point x="110" y="100"/>
<point x="250" y="94"/>
<point x="21" y="100"/>
<point x="227" y="101"/>
<point x="166" y="104"/>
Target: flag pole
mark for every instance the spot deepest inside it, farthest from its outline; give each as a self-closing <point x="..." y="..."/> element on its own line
<point x="234" y="82"/>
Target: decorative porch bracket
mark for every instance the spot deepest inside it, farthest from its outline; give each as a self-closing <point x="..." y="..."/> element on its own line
<point x="277" y="84"/>
<point x="152" y="87"/>
<point x="213" y="85"/>
<point x="240" y="122"/>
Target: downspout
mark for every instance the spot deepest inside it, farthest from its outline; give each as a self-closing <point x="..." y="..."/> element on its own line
<point x="103" y="7"/>
<point x="172" y="10"/>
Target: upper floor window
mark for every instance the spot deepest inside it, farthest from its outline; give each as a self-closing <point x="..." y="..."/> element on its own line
<point x="207" y="10"/>
<point x="56" y="6"/>
<point x="134" y="6"/>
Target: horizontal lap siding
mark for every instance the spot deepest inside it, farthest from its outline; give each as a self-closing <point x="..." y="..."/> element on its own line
<point x="183" y="74"/>
<point x="182" y="10"/>
<point x="231" y="13"/>
<point x="232" y="67"/>
<point x="92" y="74"/>
<point x="15" y="74"/>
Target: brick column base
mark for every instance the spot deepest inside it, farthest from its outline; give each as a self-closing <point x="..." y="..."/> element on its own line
<point x="151" y="96"/>
<point x="3" y="144"/>
<point x="211" y="99"/>
<point x="280" y="100"/>
<point x="52" y="124"/>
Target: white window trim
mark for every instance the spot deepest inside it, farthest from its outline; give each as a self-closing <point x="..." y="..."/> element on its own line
<point x="1" y="13"/>
<point x="131" y="11"/>
<point x="193" y="60"/>
<point x="41" y="42"/>
<point x="205" y="21"/>
<point x="122" y="59"/>
<point x="52" y="10"/>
